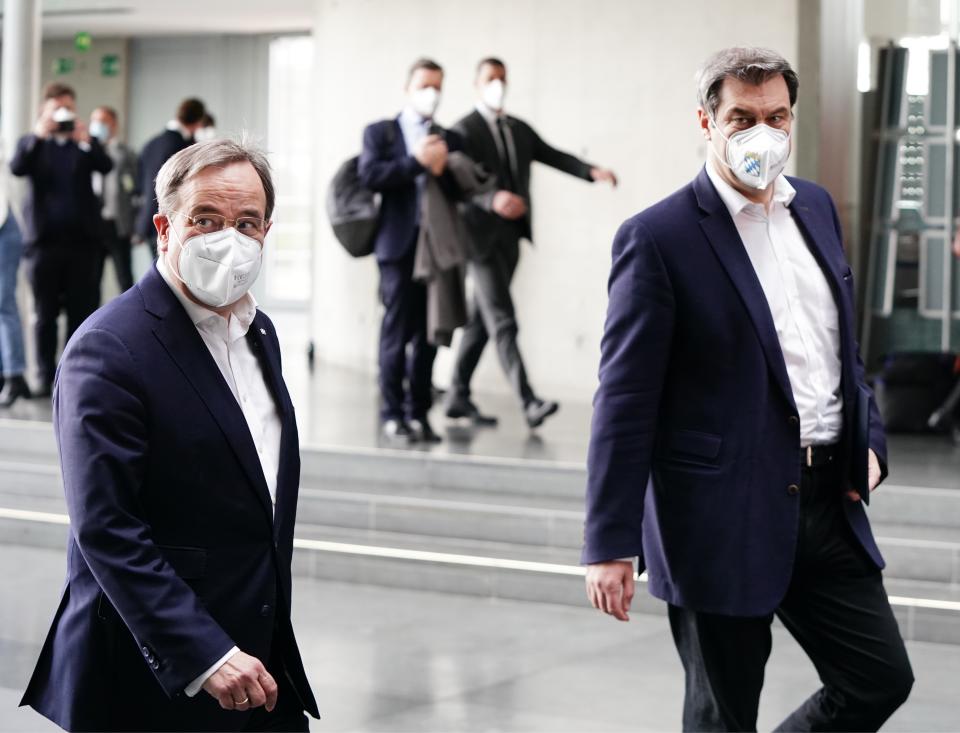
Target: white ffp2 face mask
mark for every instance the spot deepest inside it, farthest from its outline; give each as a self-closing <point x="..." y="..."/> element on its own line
<point x="756" y="155"/>
<point x="493" y="94"/>
<point x="219" y="268"/>
<point x="425" y="101"/>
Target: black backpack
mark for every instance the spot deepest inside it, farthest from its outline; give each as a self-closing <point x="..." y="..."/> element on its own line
<point x="353" y="209"/>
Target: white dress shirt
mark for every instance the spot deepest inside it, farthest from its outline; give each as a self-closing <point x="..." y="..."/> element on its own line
<point x="801" y="303"/>
<point x="227" y="343"/>
<point x="414" y="128"/>
<point x="175" y="126"/>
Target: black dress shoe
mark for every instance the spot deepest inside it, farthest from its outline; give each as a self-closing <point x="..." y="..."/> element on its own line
<point x="461" y="407"/>
<point x="422" y="432"/>
<point x="537" y="411"/>
<point x="13" y="389"/>
<point x="396" y="431"/>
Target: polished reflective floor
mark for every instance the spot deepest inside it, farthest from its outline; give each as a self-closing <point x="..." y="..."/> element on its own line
<point x="339" y="407"/>
<point x="398" y="660"/>
<point x="406" y="659"/>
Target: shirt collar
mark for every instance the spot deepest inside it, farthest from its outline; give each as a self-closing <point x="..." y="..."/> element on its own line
<point x="413" y="119"/>
<point x="175" y="126"/>
<point x="244" y="310"/>
<point x="735" y="201"/>
<point x="490" y="115"/>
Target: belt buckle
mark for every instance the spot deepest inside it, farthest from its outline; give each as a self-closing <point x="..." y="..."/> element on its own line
<point x="809" y="456"/>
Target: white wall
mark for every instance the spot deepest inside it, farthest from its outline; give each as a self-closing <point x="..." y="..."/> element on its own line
<point x="610" y="80"/>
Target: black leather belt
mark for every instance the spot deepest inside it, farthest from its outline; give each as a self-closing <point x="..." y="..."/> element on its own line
<point x="817" y="456"/>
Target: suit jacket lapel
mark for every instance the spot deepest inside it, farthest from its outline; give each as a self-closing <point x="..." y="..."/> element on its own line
<point x="482" y="133"/>
<point x="817" y="233"/>
<point x="183" y="343"/>
<point x="820" y="237"/>
<point x="399" y="144"/>
<point x="722" y="234"/>
<point x="287" y="478"/>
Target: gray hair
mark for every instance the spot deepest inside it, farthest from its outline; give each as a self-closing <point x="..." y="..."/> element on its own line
<point x="186" y="164"/>
<point x="749" y="64"/>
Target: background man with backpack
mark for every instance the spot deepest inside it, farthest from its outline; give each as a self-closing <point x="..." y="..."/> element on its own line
<point x="398" y="154"/>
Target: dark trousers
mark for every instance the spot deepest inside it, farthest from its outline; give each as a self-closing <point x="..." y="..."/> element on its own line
<point x="492" y="312"/>
<point x="62" y="276"/>
<point x="406" y="356"/>
<point x="836" y="608"/>
<point x="117" y="248"/>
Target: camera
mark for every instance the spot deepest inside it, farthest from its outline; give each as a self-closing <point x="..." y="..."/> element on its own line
<point x="66" y="120"/>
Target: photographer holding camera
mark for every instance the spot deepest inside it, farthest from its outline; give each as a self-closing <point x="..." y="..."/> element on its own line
<point x="62" y="217"/>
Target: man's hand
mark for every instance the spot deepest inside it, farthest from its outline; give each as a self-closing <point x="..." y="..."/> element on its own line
<point x="610" y="587"/>
<point x="45" y="126"/>
<point x="509" y="205"/>
<point x="956" y="243"/>
<point x="873" y="475"/>
<point x="242" y="683"/>
<point x="603" y="174"/>
<point x="431" y="152"/>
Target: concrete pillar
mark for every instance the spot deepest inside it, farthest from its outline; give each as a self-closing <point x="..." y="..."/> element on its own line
<point x="19" y="94"/>
<point x="828" y="125"/>
<point x="21" y="69"/>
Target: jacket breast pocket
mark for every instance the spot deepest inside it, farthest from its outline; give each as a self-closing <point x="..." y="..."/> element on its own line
<point x="190" y="563"/>
<point x="691" y="447"/>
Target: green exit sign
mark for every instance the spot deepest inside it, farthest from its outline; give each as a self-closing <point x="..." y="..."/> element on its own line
<point x="63" y="65"/>
<point x="110" y="65"/>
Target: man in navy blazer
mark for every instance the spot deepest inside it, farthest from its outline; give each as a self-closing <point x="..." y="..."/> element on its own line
<point x="63" y="224"/>
<point x="734" y="440"/>
<point x="179" y="454"/>
<point x="398" y="154"/>
<point x="177" y="135"/>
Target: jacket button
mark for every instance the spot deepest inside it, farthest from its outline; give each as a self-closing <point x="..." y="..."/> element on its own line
<point x="793" y="489"/>
<point x="265" y="610"/>
<point x="793" y="420"/>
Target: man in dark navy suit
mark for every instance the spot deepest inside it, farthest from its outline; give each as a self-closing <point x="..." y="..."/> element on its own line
<point x="63" y="225"/>
<point x="734" y="440"/>
<point x="398" y="154"/>
<point x="180" y="460"/>
<point x="177" y="135"/>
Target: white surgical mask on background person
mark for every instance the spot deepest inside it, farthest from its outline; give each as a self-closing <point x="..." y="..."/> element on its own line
<point x="756" y="155"/>
<point x="493" y="94"/>
<point x="425" y="101"/>
<point x="99" y="130"/>
<point x="219" y="268"/>
<point x="203" y="134"/>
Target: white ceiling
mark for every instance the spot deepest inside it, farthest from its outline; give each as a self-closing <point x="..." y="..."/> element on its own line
<point x="124" y="18"/>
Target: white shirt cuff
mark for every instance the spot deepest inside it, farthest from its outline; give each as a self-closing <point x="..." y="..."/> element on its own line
<point x="84" y="146"/>
<point x="194" y="687"/>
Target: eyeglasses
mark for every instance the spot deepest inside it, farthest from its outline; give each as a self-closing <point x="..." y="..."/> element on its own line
<point x="210" y="223"/>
